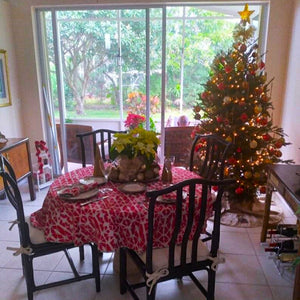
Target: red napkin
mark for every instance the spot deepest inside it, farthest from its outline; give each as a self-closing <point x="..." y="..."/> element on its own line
<point x="77" y="189"/>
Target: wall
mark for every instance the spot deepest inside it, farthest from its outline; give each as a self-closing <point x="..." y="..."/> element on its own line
<point x="279" y="41"/>
<point x="10" y="116"/>
<point x="291" y="112"/>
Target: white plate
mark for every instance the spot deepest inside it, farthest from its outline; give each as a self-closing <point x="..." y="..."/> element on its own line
<point x="132" y="187"/>
<point x="82" y="196"/>
<point x="91" y="180"/>
<point x="161" y="199"/>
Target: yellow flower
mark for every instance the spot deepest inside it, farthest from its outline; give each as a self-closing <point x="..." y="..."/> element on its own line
<point x="137" y="142"/>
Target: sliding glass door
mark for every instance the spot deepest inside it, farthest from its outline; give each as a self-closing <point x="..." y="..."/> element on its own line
<point x="100" y="64"/>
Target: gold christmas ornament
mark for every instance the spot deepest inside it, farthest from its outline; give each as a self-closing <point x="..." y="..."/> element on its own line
<point x="228" y="139"/>
<point x="248" y="174"/>
<point x="240" y="66"/>
<point x="256" y="175"/>
<point x="257" y="109"/>
<point x="253" y="144"/>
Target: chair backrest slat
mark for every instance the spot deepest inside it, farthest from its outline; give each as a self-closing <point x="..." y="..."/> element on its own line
<point x="189" y="219"/>
<point x="14" y="196"/>
<point x="102" y="138"/>
<point x="208" y="156"/>
<point x="188" y="230"/>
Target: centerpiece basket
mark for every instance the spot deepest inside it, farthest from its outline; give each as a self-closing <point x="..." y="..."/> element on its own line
<point x="134" y="155"/>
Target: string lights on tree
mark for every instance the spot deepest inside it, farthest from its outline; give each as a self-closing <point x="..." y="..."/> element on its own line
<point x="236" y="105"/>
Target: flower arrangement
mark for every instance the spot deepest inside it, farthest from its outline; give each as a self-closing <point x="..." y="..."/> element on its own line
<point x="137" y="142"/>
<point x="40" y="147"/>
<point x="134" y="153"/>
<point x="136" y="103"/>
<point x="133" y="121"/>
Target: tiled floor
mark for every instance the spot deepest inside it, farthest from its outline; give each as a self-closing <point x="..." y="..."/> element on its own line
<point x="248" y="273"/>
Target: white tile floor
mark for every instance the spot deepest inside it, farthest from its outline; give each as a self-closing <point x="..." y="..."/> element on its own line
<point x="248" y="273"/>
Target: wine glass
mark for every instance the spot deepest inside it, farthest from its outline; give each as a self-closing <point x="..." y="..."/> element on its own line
<point x="107" y="168"/>
<point x="172" y="160"/>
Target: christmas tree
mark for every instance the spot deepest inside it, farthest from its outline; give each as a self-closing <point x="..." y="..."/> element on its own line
<point x="236" y="105"/>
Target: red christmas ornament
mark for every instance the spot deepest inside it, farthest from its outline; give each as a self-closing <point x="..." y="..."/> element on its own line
<point x="278" y="144"/>
<point x="239" y="190"/>
<point x="232" y="160"/>
<point x="228" y="69"/>
<point x="278" y="153"/>
<point x="219" y="119"/>
<point x="204" y="95"/>
<point x="221" y="86"/>
<point x="266" y="137"/>
<point x="244" y="117"/>
<point x="239" y="149"/>
<point x="262" y="189"/>
<point x="243" y="48"/>
<point x="261" y="65"/>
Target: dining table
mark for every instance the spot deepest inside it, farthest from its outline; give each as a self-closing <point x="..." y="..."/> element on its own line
<point x="114" y="217"/>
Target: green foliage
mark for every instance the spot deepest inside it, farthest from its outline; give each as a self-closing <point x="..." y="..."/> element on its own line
<point x="236" y="105"/>
<point x="91" y="69"/>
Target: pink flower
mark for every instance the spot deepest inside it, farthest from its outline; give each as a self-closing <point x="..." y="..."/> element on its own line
<point x="132" y="121"/>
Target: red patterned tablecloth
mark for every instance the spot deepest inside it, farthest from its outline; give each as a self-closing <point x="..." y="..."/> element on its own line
<point x="119" y="220"/>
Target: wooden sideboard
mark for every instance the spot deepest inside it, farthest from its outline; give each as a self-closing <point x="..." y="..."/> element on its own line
<point x="286" y="180"/>
<point x="17" y="152"/>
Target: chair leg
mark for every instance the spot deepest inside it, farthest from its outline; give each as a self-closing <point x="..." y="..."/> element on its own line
<point x="71" y="263"/>
<point x="152" y="294"/>
<point x="81" y="252"/>
<point x="211" y="285"/>
<point x="96" y="271"/>
<point x="28" y="274"/>
<point x="123" y="271"/>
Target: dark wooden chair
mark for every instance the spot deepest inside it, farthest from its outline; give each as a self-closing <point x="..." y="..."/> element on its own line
<point x="103" y="138"/>
<point x="33" y="243"/>
<point x="74" y="153"/>
<point x="88" y="141"/>
<point x="208" y="156"/>
<point x="186" y="252"/>
<point x="178" y="143"/>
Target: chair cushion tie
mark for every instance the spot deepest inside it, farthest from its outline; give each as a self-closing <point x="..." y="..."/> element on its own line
<point x="20" y="250"/>
<point x="216" y="260"/>
<point x="155" y="276"/>
<point x="13" y="223"/>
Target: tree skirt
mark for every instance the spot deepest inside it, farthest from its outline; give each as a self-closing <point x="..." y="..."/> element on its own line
<point x="241" y="216"/>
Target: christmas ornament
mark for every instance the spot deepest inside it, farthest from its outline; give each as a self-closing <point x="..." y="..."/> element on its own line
<point x="229" y="139"/>
<point x="239" y="190"/>
<point x="244" y="117"/>
<point x="197" y="108"/>
<point x="253" y="144"/>
<point x="262" y="189"/>
<point x="257" y="109"/>
<point x="226" y="100"/>
<point x="248" y="174"/>
<point x="256" y="175"/>
<point x="266" y="137"/>
<point x="237" y="105"/>
<point x="278" y="144"/>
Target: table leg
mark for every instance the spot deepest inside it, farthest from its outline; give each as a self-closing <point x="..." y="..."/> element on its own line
<point x="2" y="195"/>
<point x="264" y="229"/>
<point x="31" y="187"/>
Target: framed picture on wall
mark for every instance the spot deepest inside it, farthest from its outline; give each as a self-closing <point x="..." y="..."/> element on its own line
<point x="4" y="80"/>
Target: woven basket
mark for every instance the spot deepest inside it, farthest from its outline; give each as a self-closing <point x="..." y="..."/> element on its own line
<point x="2" y="144"/>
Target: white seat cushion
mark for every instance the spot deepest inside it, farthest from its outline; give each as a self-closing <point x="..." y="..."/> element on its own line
<point x="161" y="255"/>
<point x="36" y="236"/>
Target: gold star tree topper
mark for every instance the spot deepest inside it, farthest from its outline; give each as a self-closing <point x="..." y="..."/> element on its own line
<point x="245" y="14"/>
